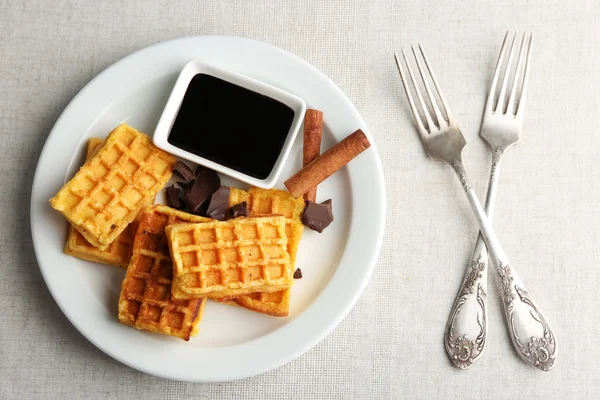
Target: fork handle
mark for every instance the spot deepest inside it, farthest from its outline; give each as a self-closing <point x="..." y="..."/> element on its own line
<point x="530" y="333"/>
<point x="465" y="337"/>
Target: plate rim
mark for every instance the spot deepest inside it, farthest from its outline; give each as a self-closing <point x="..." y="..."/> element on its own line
<point x="324" y="330"/>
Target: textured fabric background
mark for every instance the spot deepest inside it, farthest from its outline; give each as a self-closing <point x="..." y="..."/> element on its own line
<point x="390" y="346"/>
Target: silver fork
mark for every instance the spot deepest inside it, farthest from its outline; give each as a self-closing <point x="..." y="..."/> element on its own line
<point x="465" y="337"/>
<point x="531" y="335"/>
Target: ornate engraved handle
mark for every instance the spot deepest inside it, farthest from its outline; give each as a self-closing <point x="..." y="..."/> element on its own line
<point x="465" y="337"/>
<point x="466" y="332"/>
<point x="531" y="334"/>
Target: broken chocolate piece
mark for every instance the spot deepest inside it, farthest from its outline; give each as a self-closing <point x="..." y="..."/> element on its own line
<point x="172" y="197"/>
<point x="239" y="210"/>
<point x="298" y="274"/>
<point x="317" y="216"/>
<point x="183" y="171"/>
<point x="219" y="203"/>
<point x="184" y="185"/>
<point x="196" y="194"/>
<point x="200" y="169"/>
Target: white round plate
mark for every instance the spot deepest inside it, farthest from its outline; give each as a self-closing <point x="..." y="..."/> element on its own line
<point x="233" y="343"/>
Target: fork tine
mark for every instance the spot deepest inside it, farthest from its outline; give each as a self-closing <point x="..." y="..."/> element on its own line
<point x="513" y="90"/>
<point x="489" y="106"/>
<point x="437" y="86"/>
<point x="500" y="103"/>
<point x="413" y="107"/>
<point x="432" y="101"/>
<point x="430" y="124"/>
<point x="525" y="77"/>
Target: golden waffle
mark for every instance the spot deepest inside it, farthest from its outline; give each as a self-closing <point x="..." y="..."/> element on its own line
<point x="111" y="188"/>
<point x="276" y="304"/>
<point x="274" y="201"/>
<point x="280" y="202"/>
<point x="224" y="259"/>
<point x="262" y="201"/>
<point x="226" y="300"/>
<point x="237" y="196"/>
<point x="145" y="302"/>
<point x="118" y="252"/>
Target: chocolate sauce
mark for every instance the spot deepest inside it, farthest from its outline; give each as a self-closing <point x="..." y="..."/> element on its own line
<point x="231" y="125"/>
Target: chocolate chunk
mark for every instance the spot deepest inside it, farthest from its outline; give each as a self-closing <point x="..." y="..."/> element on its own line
<point x="219" y="204"/>
<point x="317" y="216"/>
<point x="172" y="196"/>
<point x="239" y="210"/>
<point x="202" y="188"/>
<point x="183" y="171"/>
<point x="200" y="169"/>
<point x="298" y="274"/>
<point x="187" y="188"/>
<point x="183" y="185"/>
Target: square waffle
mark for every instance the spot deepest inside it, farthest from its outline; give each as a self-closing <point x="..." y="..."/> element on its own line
<point x="117" y="253"/>
<point x="229" y="258"/>
<point x="145" y="302"/>
<point x="262" y="201"/>
<point x="111" y="188"/>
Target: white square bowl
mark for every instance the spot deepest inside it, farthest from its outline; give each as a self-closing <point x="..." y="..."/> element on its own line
<point x="169" y="114"/>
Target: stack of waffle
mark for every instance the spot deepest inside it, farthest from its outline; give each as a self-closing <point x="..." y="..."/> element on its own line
<point x="113" y="186"/>
<point x="176" y="261"/>
<point x="146" y="302"/>
<point x="116" y="253"/>
<point x="272" y="202"/>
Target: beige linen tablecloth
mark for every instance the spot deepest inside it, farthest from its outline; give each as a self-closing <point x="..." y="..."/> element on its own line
<point x="390" y="345"/>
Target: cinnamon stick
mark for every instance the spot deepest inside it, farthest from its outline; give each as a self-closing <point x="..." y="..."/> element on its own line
<point x="327" y="163"/>
<point x="313" y="128"/>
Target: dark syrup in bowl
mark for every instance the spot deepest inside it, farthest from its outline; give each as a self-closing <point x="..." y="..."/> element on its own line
<point x="231" y="125"/>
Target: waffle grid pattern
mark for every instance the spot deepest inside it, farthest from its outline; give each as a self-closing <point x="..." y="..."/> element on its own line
<point x="271" y="202"/>
<point x="224" y="259"/>
<point x="113" y="186"/>
<point x="279" y="202"/>
<point x="118" y="253"/>
<point x="145" y="301"/>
